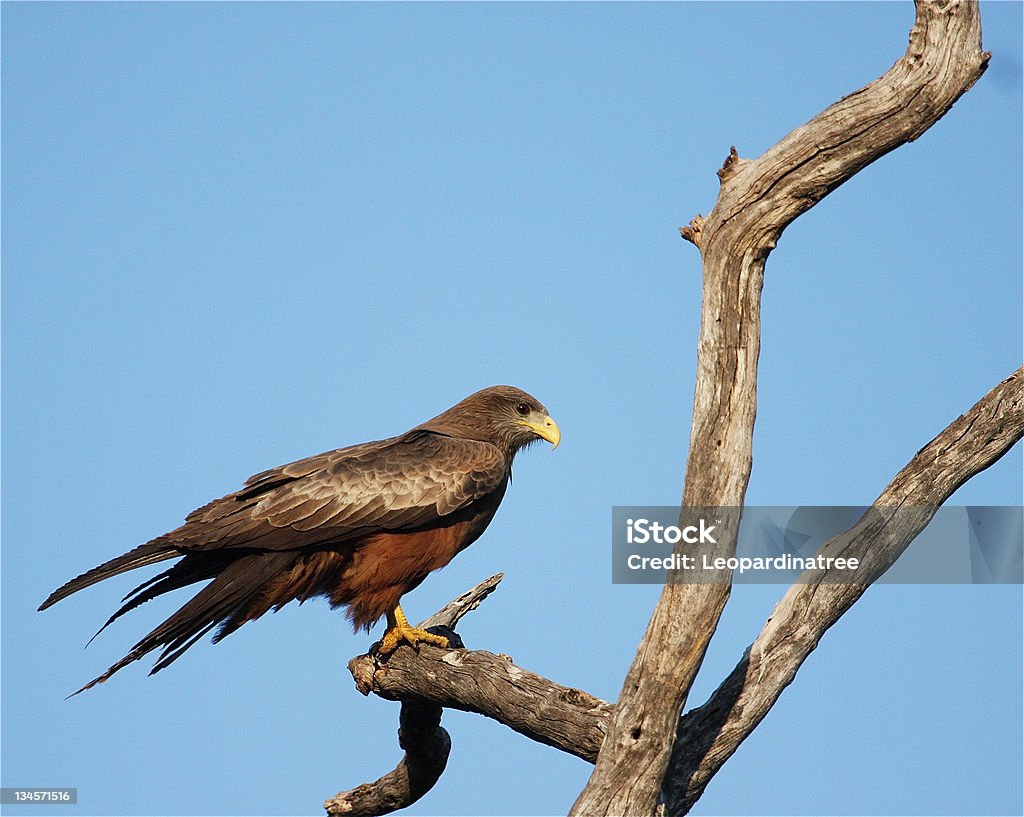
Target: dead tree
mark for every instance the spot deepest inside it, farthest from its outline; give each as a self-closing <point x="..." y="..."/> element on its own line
<point x="647" y="758"/>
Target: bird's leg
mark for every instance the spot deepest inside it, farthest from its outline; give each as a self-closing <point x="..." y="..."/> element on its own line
<point x="400" y="630"/>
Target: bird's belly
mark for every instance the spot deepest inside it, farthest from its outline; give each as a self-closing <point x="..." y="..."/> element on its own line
<point x="397" y="558"/>
<point x="388" y="565"/>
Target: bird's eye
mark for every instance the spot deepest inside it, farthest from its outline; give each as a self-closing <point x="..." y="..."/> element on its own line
<point x="522" y="408"/>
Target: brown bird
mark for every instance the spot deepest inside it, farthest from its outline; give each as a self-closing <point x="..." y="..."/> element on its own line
<point x="362" y="526"/>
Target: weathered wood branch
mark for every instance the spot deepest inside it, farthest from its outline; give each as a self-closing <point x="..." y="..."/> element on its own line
<point x="420" y="734"/>
<point x="757" y="200"/>
<point x="491" y="685"/>
<point x="426" y="746"/>
<point x="710" y="734"/>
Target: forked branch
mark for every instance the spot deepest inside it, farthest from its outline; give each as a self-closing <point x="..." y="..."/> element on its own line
<point x="473" y="681"/>
<point x="757" y="200"/>
<point x="420" y="734"/>
<point x="708" y="735"/>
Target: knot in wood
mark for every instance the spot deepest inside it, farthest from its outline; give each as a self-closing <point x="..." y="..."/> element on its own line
<point x="693" y="231"/>
<point x="732" y="165"/>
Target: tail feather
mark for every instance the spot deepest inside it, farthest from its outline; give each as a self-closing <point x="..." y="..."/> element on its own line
<point x="188" y="571"/>
<point x="147" y="554"/>
<point x="236" y="587"/>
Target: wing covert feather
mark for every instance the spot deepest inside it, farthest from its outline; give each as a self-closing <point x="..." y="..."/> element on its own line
<point x="404" y="482"/>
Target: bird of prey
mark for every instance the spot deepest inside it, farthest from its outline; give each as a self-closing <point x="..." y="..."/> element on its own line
<point x="361" y="526"/>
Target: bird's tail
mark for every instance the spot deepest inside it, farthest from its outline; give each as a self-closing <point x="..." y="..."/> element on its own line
<point x="147" y="554"/>
<point x="236" y="589"/>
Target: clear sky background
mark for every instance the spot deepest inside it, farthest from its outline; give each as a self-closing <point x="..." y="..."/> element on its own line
<point x="235" y="235"/>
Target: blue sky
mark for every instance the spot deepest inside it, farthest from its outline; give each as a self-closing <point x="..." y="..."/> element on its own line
<point x="237" y="234"/>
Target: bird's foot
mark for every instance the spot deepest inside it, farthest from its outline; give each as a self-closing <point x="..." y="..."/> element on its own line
<point x="399" y="630"/>
<point x="398" y="633"/>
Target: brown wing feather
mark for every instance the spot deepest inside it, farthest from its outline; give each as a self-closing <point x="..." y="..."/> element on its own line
<point x="405" y="482"/>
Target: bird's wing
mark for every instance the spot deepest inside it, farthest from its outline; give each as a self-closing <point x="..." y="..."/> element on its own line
<point x="403" y="483"/>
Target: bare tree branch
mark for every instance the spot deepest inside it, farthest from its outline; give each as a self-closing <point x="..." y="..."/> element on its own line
<point x="452" y="613"/>
<point x="488" y="684"/>
<point x="420" y="734"/>
<point x="757" y="200"/>
<point x="426" y="746"/>
<point x="476" y="681"/>
<point x="708" y="735"/>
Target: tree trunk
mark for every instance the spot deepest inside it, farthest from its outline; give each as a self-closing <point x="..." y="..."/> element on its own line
<point x="757" y="200"/>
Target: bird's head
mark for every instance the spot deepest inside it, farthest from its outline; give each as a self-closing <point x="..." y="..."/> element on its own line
<point x="502" y="415"/>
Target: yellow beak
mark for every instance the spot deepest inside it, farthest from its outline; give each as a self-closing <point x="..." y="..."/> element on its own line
<point x="545" y="428"/>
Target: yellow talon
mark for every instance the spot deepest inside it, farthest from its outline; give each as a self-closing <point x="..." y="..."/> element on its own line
<point x="400" y="630"/>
